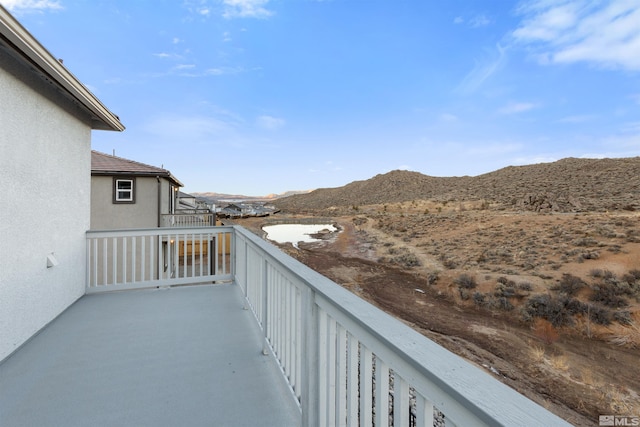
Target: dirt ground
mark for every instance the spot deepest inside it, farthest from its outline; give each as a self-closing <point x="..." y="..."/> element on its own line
<point x="408" y="260"/>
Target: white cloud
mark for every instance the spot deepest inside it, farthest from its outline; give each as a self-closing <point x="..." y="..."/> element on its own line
<point x="483" y="70"/>
<point x="577" y="118"/>
<point x="30" y="5"/>
<point x="270" y="122"/>
<point x="326" y="168"/>
<point x="197" y="129"/>
<point x="447" y="117"/>
<point x="458" y="20"/>
<point x="184" y="66"/>
<point x="191" y="70"/>
<point x="567" y="31"/>
<point x="479" y="21"/>
<point x="517" y="107"/>
<point x="219" y="71"/>
<point x="163" y="55"/>
<point x="246" y="9"/>
<point x="493" y="149"/>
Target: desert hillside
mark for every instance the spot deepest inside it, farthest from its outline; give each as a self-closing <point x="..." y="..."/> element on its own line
<point x="568" y="185"/>
<point x="530" y="272"/>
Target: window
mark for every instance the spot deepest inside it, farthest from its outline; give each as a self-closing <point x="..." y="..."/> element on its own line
<point x="123" y="191"/>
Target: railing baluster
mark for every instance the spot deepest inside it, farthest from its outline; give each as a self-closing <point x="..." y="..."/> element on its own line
<point x="366" y="386"/>
<point x="216" y="243"/>
<point x="95" y="262"/>
<point x="105" y="264"/>
<point x="400" y="401"/>
<point x="341" y="376"/>
<point x="322" y="368"/>
<point x="176" y="257"/>
<point x="124" y="259"/>
<point x="143" y="258"/>
<point x="352" y="380"/>
<point x="291" y="335"/>
<point x="331" y="371"/>
<point x="382" y="394"/>
<point x="298" y="345"/>
<point x="309" y="396"/>
<point x="225" y="248"/>
<point x="114" y="248"/>
<point x="134" y="260"/>
<point x="424" y="412"/>
<point x="185" y="239"/>
<point x="265" y="304"/>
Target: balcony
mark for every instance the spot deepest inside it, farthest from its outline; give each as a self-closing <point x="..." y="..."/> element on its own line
<point x="261" y="340"/>
<point x="189" y="218"/>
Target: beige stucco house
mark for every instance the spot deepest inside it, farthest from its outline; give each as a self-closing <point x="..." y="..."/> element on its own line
<point x="130" y="194"/>
<point x="46" y="119"/>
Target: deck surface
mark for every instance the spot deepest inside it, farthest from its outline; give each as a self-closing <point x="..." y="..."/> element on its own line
<point x="188" y="356"/>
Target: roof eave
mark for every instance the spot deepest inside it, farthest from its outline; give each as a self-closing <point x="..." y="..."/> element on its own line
<point x="166" y="174"/>
<point x="32" y="50"/>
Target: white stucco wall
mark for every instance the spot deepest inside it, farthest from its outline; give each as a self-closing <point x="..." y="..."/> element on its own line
<point x="45" y="159"/>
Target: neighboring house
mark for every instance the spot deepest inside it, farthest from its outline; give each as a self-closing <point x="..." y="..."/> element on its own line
<point x="126" y="194"/>
<point x="46" y="119"/>
<point x="130" y="194"/>
<point x="187" y="201"/>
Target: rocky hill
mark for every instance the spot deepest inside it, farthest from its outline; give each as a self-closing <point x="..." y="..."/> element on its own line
<point x="568" y="185"/>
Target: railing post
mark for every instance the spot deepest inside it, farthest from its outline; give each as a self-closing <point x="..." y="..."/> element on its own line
<point x="309" y="395"/>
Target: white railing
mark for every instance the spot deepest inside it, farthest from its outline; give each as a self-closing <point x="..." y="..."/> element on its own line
<point x="348" y="363"/>
<point x="191" y="219"/>
<point x="132" y="259"/>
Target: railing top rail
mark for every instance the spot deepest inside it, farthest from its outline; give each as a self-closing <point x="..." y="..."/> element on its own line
<point x="159" y="231"/>
<point x="476" y="391"/>
<point x="190" y="212"/>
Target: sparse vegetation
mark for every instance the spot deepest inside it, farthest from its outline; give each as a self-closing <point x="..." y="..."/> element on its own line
<point x="507" y="258"/>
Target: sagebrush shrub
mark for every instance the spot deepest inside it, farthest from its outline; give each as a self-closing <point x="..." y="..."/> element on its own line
<point x="569" y="284"/>
<point x="554" y="309"/>
<point x="466" y="281"/>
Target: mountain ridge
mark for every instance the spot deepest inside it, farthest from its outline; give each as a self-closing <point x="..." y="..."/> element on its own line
<point x="566" y="185"/>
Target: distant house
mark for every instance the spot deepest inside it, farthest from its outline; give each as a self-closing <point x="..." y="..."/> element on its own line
<point x="46" y="119"/>
<point x="130" y="194"/>
<point x="231" y="211"/>
<point x="187" y="201"/>
<point x="247" y="209"/>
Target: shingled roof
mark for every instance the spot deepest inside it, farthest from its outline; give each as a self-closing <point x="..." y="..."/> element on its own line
<point x="105" y="164"/>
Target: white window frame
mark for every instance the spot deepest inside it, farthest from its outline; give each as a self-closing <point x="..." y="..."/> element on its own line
<point x="117" y="191"/>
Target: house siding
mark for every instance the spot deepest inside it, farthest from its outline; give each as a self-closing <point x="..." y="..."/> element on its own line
<point x="106" y="215"/>
<point x="45" y="156"/>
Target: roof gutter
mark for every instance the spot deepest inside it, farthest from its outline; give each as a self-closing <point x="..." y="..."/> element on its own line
<point x="40" y="57"/>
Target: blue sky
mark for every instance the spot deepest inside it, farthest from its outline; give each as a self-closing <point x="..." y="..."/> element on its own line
<point x="263" y="96"/>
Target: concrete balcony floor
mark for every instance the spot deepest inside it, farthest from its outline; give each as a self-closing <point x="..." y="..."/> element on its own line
<point x="188" y="356"/>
